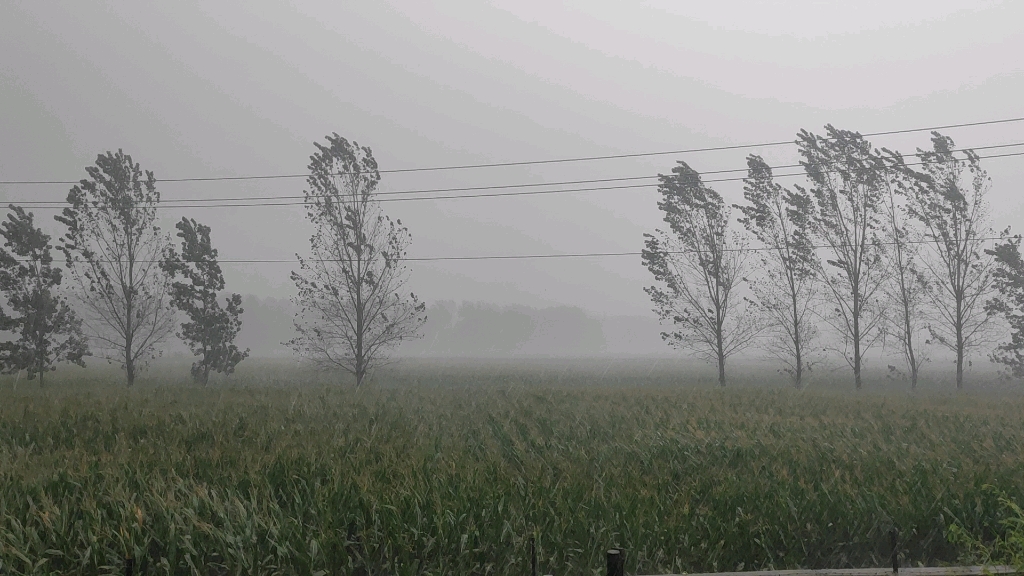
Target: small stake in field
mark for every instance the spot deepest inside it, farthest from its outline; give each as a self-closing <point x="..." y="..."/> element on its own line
<point x="893" y="537"/>
<point x="616" y="562"/>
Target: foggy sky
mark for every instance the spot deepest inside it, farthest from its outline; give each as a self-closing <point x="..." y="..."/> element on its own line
<point x="194" y="89"/>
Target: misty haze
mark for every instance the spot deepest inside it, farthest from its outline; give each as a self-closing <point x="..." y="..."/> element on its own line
<point x="512" y="287"/>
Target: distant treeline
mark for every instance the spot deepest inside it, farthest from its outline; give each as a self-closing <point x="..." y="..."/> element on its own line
<point x="477" y="330"/>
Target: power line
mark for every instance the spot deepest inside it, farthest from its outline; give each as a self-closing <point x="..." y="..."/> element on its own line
<point x="550" y="161"/>
<point x="513" y="186"/>
<point x="167" y="204"/>
<point x="548" y="256"/>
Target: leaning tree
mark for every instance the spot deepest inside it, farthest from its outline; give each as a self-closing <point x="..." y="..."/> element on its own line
<point x="211" y="329"/>
<point x="45" y="328"/>
<point x="785" y="299"/>
<point x="352" y="296"/>
<point x="113" y="249"/>
<point x="949" y="202"/>
<point x="1008" y="301"/>
<point x="698" y="269"/>
<point x="847" y="185"/>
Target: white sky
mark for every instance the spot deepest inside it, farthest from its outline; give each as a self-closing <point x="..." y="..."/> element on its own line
<point x="234" y="88"/>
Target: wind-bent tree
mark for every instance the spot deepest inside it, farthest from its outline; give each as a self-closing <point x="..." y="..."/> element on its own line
<point x="210" y="331"/>
<point x="780" y="219"/>
<point x="351" y="291"/>
<point x="1008" y="301"/>
<point x="113" y="249"/>
<point x="698" y="270"/>
<point x="949" y="202"/>
<point x="847" y="187"/>
<point x="907" y="286"/>
<point x="46" y="329"/>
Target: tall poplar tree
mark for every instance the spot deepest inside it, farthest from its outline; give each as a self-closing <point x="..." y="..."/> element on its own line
<point x="847" y="187"/>
<point x="949" y="202"/>
<point x="780" y="220"/>
<point x="352" y="291"/>
<point x="113" y="249"/>
<point x="698" y="270"/>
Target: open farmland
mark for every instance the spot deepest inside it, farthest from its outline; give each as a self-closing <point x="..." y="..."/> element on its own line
<point x="453" y="474"/>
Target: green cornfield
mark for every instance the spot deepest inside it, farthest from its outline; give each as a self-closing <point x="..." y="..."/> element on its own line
<point x="449" y="474"/>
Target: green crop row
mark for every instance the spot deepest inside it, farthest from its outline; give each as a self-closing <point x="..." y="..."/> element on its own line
<point x="446" y="480"/>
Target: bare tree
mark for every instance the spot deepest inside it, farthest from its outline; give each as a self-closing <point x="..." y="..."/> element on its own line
<point x="699" y="270"/>
<point x="949" y="201"/>
<point x="847" y="188"/>
<point x="780" y="219"/>
<point x="351" y="291"/>
<point x="113" y="250"/>
<point x="907" y="286"/>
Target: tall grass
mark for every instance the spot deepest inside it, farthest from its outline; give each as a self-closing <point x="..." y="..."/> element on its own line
<point x="454" y="479"/>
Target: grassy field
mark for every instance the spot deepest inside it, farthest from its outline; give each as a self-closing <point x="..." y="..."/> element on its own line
<point x="444" y="470"/>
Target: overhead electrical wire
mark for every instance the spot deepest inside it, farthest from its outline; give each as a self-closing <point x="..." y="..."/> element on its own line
<point x="549" y="161"/>
<point x="546" y="256"/>
<point x="244" y="202"/>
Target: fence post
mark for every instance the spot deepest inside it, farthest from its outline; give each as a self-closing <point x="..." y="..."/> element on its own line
<point x="616" y="563"/>
<point x="533" y="556"/>
<point x="894" y="539"/>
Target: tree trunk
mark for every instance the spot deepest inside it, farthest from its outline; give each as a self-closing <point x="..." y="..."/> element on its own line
<point x="721" y="357"/>
<point x="856" y="342"/>
<point x="799" y="372"/>
<point x="959" y="343"/>
<point x="959" y="365"/>
<point x="129" y="368"/>
<point x="910" y="342"/>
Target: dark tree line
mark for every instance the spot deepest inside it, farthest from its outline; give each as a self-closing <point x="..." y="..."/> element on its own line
<point x="874" y="249"/>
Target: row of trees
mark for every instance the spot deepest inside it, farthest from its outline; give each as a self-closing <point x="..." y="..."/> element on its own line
<point x="130" y="284"/>
<point x="877" y="250"/>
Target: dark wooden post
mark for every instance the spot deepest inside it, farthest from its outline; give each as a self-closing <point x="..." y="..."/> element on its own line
<point x="129" y="566"/>
<point x="533" y="556"/>
<point x="894" y="540"/>
<point x="616" y="563"/>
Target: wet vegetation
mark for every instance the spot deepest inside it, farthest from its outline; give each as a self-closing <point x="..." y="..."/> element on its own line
<point x="439" y="470"/>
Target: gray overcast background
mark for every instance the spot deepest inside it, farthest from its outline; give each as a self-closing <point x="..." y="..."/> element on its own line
<point x="238" y="88"/>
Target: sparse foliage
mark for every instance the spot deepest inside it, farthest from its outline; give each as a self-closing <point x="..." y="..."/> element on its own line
<point x="949" y="202"/>
<point x="780" y="220"/>
<point x="847" y="188"/>
<point x="113" y="250"/>
<point x="211" y="329"/>
<point x="351" y="291"/>
<point x="46" y="329"/>
<point x="698" y="270"/>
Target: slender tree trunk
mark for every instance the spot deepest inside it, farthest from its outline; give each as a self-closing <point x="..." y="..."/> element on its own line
<point x="911" y="356"/>
<point x="129" y="309"/>
<point x="959" y="359"/>
<point x="360" y="364"/>
<point x="721" y="356"/>
<point x="856" y="341"/>
<point x="959" y="343"/>
<point x="797" y="344"/>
